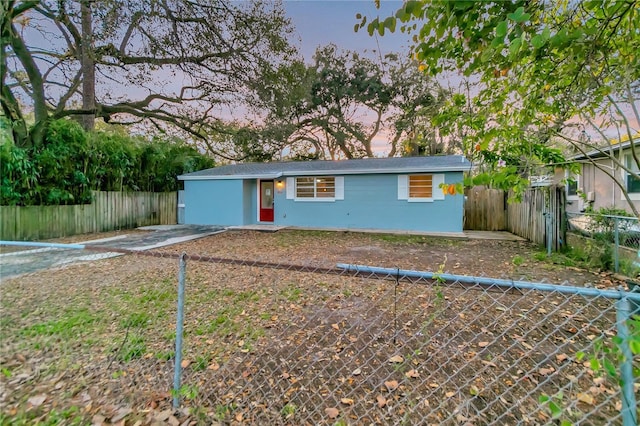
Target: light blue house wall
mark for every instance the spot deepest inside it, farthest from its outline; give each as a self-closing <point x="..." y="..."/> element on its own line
<point x="370" y="202"/>
<point x="250" y="199"/>
<point x="219" y="202"/>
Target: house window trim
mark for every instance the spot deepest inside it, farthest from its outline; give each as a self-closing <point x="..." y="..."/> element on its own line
<point x="633" y="196"/>
<point x="576" y="177"/>
<point x="436" y="193"/>
<point x="338" y="190"/>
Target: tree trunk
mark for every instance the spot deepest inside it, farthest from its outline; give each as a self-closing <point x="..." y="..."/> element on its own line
<point x="88" y="69"/>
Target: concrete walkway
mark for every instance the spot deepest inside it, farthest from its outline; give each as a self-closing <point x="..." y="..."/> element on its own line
<point x="34" y="260"/>
<point x="466" y="235"/>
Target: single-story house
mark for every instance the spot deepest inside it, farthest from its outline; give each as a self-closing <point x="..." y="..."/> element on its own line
<point x="598" y="189"/>
<point x="373" y="193"/>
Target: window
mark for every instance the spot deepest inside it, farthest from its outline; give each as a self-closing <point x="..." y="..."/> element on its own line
<point x="315" y="188"/>
<point x="633" y="183"/>
<point x="420" y="188"/>
<point x="573" y="185"/>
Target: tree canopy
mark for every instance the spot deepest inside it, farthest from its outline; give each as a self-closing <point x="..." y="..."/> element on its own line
<point x="338" y="106"/>
<point x="550" y="73"/>
<point x="169" y="64"/>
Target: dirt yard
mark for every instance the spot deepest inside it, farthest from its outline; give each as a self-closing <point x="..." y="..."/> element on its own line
<point x="94" y="342"/>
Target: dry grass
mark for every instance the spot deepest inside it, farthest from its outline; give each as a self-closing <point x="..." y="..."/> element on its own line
<point x="269" y="346"/>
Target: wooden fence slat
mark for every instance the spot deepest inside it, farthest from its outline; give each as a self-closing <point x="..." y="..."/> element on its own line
<point x="486" y="210"/>
<point x="109" y="211"/>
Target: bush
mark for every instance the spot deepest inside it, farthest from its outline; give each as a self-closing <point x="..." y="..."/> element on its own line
<point x="71" y="163"/>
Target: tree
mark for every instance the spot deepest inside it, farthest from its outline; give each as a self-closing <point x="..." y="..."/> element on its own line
<point x="549" y="71"/>
<point x="170" y="64"/>
<point x="339" y="105"/>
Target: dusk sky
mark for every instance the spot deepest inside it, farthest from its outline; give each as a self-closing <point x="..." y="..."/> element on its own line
<point x="320" y="22"/>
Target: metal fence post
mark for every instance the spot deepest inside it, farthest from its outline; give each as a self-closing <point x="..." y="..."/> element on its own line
<point x="628" y="410"/>
<point x="616" y="257"/>
<point x="547" y="223"/>
<point x="179" y="327"/>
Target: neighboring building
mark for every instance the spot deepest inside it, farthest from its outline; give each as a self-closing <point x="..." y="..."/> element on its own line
<point x="593" y="187"/>
<point x="373" y="193"/>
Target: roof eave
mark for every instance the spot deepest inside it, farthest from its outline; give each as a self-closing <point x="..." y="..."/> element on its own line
<point x="228" y="177"/>
<point x="404" y="170"/>
<point x="604" y="152"/>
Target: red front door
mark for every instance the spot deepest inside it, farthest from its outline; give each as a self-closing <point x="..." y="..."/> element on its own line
<point x="266" y="201"/>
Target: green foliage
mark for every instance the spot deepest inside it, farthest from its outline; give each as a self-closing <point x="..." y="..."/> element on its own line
<point x="71" y="163"/>
<point x="189" y="392"/>
<point x="545" y="74"/>
<point x="133" y="348"/>
<point x="288" y="410"/>
<point x="65" y="416"/>
<point x="554" y="404"/>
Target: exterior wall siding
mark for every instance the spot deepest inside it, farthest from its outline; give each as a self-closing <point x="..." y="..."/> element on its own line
<point x="606" y="192"/>
<point x="219" y="202"/>
<point x="371" y="202"/>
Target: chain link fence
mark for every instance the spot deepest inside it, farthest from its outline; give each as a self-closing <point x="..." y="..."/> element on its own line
<point x="280" y="343"/>
<point x="614" y="239"/>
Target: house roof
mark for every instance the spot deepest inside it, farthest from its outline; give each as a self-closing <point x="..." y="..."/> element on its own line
<point x="605" y="151"/>
<point x="445" y="163"/>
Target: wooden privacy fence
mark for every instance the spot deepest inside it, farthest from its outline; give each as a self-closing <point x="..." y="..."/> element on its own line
<point x="484" y="209"/>
<point x="540" y="213"/>
<point x="109" y="211"/>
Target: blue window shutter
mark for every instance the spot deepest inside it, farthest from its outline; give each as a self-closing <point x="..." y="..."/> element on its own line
<point x="339" y="182"/>
<point x="436" y="191"/>
<point x="403" y="187"/>
<point x="291" y="188"/>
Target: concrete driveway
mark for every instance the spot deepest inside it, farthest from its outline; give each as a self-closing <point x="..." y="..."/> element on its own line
<point x="34" y="260"/>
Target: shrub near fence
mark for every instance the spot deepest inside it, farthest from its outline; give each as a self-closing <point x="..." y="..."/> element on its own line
<point x="109" y="211"/>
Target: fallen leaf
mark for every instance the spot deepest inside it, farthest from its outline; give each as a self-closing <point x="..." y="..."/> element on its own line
<point x="347" y="401"/>
<point x="335" y="326"/>
<point x="473" y="390"/>
<point x="213" y="366"/>
<point x="449" y="394"/>
<point x="332" y="412"/>
<point x="561" y="357"/>
<point x="163" y="416"/>
<point x="120" y="415"/>
<point x="483" y="344"/>
<point x="546" y="371"/>
<point x="412" y="374"/>
<point x="391" y="385"/>
<point x="357" y="372"/>
<point x="433" y="385"/>
<point x="586" y="398"/>
<point x="239" y="417"/>
<point x="37" y="401"/>
<point x="396" y="359"/>
<point x="382" y="401"/>
<point x="185" y="363"/>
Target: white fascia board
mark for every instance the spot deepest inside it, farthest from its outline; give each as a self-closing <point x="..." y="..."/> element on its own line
<point x="231" y="177"/>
